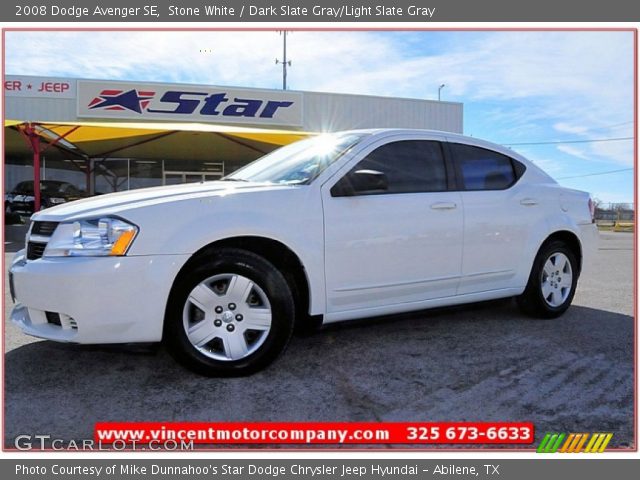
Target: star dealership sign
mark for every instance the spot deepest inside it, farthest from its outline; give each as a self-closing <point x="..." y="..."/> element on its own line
<point x="176" y="102"/>
<point x="133" y="100"/>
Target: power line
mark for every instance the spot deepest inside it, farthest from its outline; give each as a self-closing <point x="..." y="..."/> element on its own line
<point x="569" y="141"/>
<point x="615" y="125"/>
<point x="606" y="127"/>
<point x="596" y="174"/>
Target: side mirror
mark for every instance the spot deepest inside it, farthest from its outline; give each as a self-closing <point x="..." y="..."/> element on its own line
<point x="361" y="182"/>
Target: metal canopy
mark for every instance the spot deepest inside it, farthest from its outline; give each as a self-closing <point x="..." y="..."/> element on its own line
<point x="196" y="141"/>
<point x="84" y="141"/>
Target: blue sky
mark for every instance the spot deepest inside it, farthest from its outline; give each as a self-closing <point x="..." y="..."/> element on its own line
<point x="517" y="87"/>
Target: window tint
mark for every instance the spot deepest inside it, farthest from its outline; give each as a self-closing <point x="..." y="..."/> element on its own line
<point x="519" y="168"/>
<point x="410" y="166"/>
<point x="483" y="169"/>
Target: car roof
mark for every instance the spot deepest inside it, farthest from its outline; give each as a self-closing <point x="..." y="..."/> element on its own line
<point x="450" y="136"/>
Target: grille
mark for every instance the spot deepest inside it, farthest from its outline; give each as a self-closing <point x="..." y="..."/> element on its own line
<point x="35" y="250"/>
<point x="45" y="229"/>
<point x="53" y="318"/>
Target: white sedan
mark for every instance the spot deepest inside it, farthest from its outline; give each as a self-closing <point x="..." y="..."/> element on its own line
<point x="337" y="227"/>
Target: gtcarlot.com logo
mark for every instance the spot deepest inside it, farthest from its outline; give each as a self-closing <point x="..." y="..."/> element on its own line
<point x="574" y="443"/>
<point x="47" y="442"/>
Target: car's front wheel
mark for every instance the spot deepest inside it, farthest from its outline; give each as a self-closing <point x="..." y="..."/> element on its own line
<point x="552" y="283"/>
<point x="231" y="313"/>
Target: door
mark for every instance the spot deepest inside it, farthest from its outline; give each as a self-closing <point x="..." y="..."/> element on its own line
<point x="396" y="245"/>
<point x="498" y="215"/>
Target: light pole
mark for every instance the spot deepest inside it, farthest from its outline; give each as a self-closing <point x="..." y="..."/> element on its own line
<point x="439" y="90"/>
<point x="284" y="61"/>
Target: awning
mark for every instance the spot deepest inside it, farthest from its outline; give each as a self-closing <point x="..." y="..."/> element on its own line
<point x="155" y="140"/>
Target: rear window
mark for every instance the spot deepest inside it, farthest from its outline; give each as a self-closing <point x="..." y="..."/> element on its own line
<point x="482" y="169"/>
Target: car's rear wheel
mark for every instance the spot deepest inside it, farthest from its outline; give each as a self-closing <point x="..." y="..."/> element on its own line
<point x="552" y="283"/>
<point x="231" y="313"/>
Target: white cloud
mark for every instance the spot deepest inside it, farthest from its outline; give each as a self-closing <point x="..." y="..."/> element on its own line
<point x="574" y="151"/>
<point x="619" y="152"/>
<point x="499" y="65"/>
<point x="615" y="151"/>
<point x="569" y="128"/>
<point x="573" y="83"/>
<point x="235" y="58"/>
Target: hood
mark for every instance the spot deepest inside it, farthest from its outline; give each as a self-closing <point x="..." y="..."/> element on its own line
<point x="115" y="203"/>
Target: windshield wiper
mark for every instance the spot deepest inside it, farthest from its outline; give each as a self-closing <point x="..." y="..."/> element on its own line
<point x="233" y="179"/>
<point x="293" y="182"/>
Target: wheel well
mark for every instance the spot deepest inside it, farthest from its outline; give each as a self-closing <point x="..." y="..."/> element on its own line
<point x="571" y="240"/>
<point x="278" y="254"/>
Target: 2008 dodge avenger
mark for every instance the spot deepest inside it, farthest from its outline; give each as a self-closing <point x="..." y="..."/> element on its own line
<point x="336" y="227"/>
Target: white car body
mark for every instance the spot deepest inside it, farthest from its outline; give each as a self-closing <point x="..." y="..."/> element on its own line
<point x="362" y="255"/>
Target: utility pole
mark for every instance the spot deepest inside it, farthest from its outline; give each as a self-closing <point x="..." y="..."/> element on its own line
<point x="284" y="61"/>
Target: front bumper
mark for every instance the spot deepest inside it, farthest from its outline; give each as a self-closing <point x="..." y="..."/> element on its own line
<point x="93" y="299"/>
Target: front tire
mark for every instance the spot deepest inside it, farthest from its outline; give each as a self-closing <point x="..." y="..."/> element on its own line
<point x="231" y="313"/>
<point x="552" y="282"/>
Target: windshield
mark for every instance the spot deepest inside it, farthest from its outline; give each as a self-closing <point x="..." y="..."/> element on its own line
<point x="300" y="162"/>
<point x="57" y="187"/>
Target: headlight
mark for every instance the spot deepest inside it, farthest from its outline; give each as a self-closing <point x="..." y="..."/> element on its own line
<point x="56" y="200"/>
<point x="89" y="238"/>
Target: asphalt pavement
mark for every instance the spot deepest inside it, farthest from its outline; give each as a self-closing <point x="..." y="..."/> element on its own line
<point x="480" y="362"/>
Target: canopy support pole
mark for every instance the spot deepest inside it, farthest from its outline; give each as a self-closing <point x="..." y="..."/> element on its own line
<point x="33" y="139"/>
<point x="89" y="174"/>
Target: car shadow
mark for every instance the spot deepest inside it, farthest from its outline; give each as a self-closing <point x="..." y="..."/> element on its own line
<point x="479" y="362"/>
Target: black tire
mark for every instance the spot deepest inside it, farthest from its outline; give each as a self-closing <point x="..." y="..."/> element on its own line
<point x="532" y="302"/>
<point x="245" y="265"/>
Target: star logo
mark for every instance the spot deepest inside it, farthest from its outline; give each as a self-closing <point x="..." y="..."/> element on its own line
<point x="133" y="100"/>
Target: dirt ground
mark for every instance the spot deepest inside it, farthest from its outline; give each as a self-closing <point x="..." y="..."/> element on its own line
<point x="478" y="362"/>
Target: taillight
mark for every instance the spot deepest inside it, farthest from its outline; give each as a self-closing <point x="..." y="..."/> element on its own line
<point x="592" y="210"/>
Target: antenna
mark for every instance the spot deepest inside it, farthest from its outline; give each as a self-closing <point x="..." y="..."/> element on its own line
<point x="284" y="61"/>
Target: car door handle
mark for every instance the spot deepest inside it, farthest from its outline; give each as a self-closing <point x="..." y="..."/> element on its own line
<point x="443" y="206"/>
<point x="528" y="202"/>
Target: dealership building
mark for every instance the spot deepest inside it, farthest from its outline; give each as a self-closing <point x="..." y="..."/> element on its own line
<point x="105" y="136"/>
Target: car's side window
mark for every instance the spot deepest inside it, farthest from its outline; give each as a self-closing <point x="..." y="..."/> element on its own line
<point x="407" y="166"/>
<point x="482" y="169"/>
